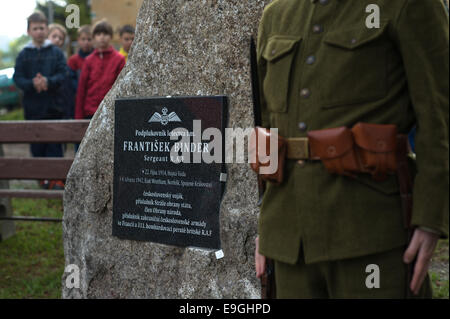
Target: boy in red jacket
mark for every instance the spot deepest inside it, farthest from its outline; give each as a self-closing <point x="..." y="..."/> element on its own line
<point x="84" y="40"/>
<point x="99" y="72"/>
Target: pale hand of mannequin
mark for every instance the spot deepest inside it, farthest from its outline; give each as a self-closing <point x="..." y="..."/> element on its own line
<point x="260" y="260"/>
<point x="422" y="246"/>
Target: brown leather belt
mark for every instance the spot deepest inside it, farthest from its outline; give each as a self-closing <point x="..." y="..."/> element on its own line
<point x="365" y="148"/>
<point x="298" y="149"/>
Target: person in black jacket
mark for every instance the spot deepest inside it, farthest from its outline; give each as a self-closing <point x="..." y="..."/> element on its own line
<point x="40" y="70"/>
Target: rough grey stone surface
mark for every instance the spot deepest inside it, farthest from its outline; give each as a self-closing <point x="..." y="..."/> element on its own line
<point x="182" y="48"/>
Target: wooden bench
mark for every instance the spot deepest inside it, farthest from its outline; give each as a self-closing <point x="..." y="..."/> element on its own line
<point x="18" y="132"/>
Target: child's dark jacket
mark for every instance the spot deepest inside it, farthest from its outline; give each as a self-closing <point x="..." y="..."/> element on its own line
<point x="50" y="62"/>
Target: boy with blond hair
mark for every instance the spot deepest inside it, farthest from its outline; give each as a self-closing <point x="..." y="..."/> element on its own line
<point x="57" y="34"/>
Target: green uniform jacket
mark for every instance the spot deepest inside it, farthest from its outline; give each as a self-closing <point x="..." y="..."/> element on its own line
<point x="321" y="67"/>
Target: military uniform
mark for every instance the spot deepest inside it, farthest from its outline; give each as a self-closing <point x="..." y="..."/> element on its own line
<point x="321" y="67"/>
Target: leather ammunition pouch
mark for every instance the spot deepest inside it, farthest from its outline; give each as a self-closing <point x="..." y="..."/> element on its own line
<point x="366" y="148"/>
<point x="335" y="148"/>
<point x="257" y="150"/>
<point x="376" y="147"/>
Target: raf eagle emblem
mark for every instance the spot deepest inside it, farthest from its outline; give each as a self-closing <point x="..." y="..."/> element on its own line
<point x="165" y="118"/>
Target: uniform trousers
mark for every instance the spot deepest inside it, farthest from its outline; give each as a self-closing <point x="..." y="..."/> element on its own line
<point x="354" y="278"/>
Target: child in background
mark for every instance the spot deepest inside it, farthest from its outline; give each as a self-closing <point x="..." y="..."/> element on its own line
<point x="99" y="72"/>
<point x="126" y="39"/>
<point x="84" y="40"/>
<point x="57" y="34"/>
<point x="76" y="61"/>
<point x="65" y="98"/>
<point x="66" y="92"/>
<point x="40" y="70"/>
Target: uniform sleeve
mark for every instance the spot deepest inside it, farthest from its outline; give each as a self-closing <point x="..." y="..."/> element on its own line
<point x="20" y="78"/>
<point x="81" y="92"/>
<point x="422" y="36"/>
<point x="262" y="64"/>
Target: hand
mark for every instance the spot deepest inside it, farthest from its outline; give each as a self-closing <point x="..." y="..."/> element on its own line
<point x="260" y="261"/>
<point x="37" y="83"/>
<point x="40" y="83"/>
<point x="421" y="247"/>
<point x="44" y="83"/>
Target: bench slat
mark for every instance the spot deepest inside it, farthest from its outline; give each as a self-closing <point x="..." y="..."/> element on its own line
<point x="34" y="168"/>
<point x="32" y="219"/>
<point x="60" y="131"/>
<point x="28" y="193"/>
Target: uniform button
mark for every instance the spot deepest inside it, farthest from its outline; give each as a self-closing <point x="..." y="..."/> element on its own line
<point x="324" y="2"/>
<point x="311" y="59"/>
<point x="301" y="163"/>
<point x="302" y="126"/>
<point x="353" y="41"/>
<point x="317" y="28"/>
<point x="273" y="52"/>
<point x="305" y="93"/>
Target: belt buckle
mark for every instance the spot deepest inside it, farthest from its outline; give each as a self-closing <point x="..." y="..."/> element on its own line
<point x="298" y="148"/>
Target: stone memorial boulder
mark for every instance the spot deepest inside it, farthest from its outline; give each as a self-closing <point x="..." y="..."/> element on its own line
<point x="182" y="48"/>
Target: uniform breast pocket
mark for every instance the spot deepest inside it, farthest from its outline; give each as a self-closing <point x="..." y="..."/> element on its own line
<point x="279" y="55"/>
<point x="354" y="67"/>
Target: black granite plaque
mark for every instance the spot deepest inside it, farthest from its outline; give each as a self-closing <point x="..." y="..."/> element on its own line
<point x="164" y="191"/>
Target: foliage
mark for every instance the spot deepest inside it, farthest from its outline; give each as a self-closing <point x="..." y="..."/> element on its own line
<point x="8" y="58"/>
<point x="3" y="64"/>
<point x="60" y="14"/>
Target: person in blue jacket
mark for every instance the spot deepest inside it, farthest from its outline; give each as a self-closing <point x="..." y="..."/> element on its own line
<point x="40" y="70"/>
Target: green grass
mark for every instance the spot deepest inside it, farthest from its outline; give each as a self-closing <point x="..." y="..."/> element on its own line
<point x="440" y="287"/>
<point x="32" y="261"/>
<point x="442" y="250"/>
<point x="439" y="281"/>
<point x="14" y="115"/>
